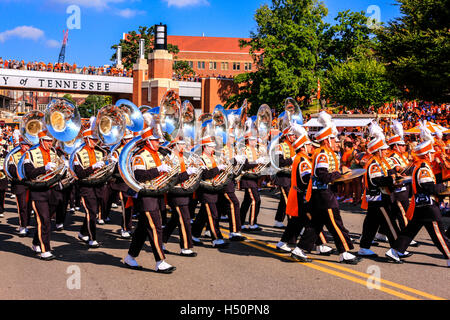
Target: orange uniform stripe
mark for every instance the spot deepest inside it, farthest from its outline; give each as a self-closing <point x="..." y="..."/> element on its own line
<point x="338" y="231"/>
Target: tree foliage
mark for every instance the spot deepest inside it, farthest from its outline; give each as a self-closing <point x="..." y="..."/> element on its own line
<point x="92" y="104"/>
<point x="359" y="83"/>
<point x="130" y="49"/>
<point x="416" y="49"/>
<point x="286" y="49"/>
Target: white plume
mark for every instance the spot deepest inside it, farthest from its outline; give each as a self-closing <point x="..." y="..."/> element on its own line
<point x="298" y="129"/>
<point x="325" y="119"/>
<point x="439" y="134"/>
<point x="397" y="127"/>
<point x="425" y="133"/>
<point x="375" y="131"/>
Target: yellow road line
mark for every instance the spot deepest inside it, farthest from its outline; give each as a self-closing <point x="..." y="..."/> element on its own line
<point x="339" y="274"/>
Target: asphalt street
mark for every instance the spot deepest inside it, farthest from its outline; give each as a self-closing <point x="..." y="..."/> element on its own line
<point x="249" y="270"/>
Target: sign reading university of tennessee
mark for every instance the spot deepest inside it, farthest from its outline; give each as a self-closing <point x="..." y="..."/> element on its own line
<point x="70" y="82"/>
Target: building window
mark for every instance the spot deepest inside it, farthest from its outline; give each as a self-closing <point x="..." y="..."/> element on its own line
<point x="224" y="65"/>
<point x="247" y="66"/>
<point x="191" y="64"/>
<point x="201" y="65"/>
<point x="236" y="66"/>
<point x="212" y="65"/>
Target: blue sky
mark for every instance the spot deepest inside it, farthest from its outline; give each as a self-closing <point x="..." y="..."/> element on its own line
<point x="33" y="30"/>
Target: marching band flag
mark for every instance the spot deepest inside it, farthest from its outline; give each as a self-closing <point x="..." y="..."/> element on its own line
<point x="318" y="88"/>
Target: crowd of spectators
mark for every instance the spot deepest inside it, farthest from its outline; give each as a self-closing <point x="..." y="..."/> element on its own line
<point x="65" y="67"/>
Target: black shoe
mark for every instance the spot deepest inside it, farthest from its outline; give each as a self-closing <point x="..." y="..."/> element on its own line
<point x="238" y="238"/>
<point x="192" y="254"/>
<point x="167" y="271"/>
<point x="60" y="229"/>
<point x="254" y="229"/>
<point x="81" y="239"/>
<point x="401" y="256"/>
<point x="300" y="258"/>
<point x="329" y="253"/>
<point x="355" y="260"/>
<point x="392" y="259"/>
<point x="131" y="267"/>
<point x="221" y="245"/>
<point x="48" y="258"/>
<point x="94" y="246"/>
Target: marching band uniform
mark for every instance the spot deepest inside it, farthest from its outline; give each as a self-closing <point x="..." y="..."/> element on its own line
<point x="38" y="161"/>
<point x="208" y="199"/>
<point x="286" y="154"/>
<point x="423" y="209"/>
<point x="87" y="160"/>
<point x="228" y="197"/>
<point x="326" y="209"/>
<point x="118" y="185"/>
<point x="377" y="196"/>
<point x="20" y="190"/>
<point x="3" y="181"/>
<point x="179" y="205"/>
<point x="147" y="165"/>
<point x="298" y="210"/>
<point x="252" y="199"/>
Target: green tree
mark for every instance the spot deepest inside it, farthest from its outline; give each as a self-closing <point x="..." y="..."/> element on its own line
<point x="69" y="97"/>
<point x="359" y="83"/>
<point x="416" y="49"/>
<point x="286" y="49"/>
<point x="92" y="104"/>
<point x="182" y="68"/>
<point x="130" y="49"/>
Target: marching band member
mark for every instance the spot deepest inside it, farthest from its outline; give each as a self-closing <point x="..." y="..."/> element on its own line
<point x="147" y="165"/>
<point x="326" y="208"/>
<point x="378" y="179"/>
<point x="4" y="180"/>
<point x="87" y="161"/>
<point x="251" y="200"/>
<point x="228" y="195"/>
<point x="20" y="190"/>
<point x="39" y="161"/>
<point x="118" y="185"/>
<point x="179" y="204"/>
<point x="208" y="199"/>
<point x="298" y="210"/>
<point x="423" y="209"/>
<point x="286" y="154"/>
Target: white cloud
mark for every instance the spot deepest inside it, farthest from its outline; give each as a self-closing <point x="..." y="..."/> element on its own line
<point x="186" y="3"/>
<point x="24" y="32"/>
<point x="53" y="43"/>
<point x="129" y="13"/>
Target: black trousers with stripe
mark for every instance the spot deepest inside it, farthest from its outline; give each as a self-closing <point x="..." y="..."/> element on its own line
<point x="24" y="209"/>
<point x="91" y="207"/>
<point x="2" y="201"/>
<point x="251" y="201"/>
<point x="429" y="217"/>
<point x="230" y="202"/>
<point x="43" y="223"/>
<point x="331" y="218"/>
<point x="378" y="217"/>
<point x="281" y="210"/>
<point x="181" y="218"/>
<point x="207" y="215"/>
<point x="149" y="225"/>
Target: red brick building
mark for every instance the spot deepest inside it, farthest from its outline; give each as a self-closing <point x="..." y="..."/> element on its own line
<point x="215" y="61"/>
<point x="213" y="56"/>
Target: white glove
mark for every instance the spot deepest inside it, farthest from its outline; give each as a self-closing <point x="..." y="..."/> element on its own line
<point x="221" y="167"/>
<point x="260" y="161"/>
<point x="98" y="165"/>
<point x="50" y="166"/>
<point x="240" y="159"/>
<point x="163" y="168"/>
<point x="191" y="170"/>
<point x="66" y="163"/>
<point x="114" y="159"/>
